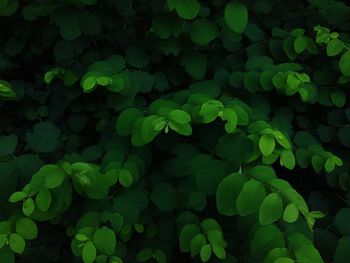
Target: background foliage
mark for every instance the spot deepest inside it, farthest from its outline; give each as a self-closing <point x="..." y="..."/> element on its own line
<point x="174" y="131"/>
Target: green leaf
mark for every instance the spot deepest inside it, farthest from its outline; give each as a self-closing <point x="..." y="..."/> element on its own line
<point x="54" y="176"/>
<point x="267" y="144"/>
<point x="88" y="82"/>
<point x="250" y="198"/>
<point x="28" y="207"/>
<point x="262" y="172"/>
<point x="137" y="57"/>
<point x="230" y="116"/>
<point x="105" y="240"/>
<point x="148" y="131"/>
<point x="235" y="147"/>
<point x="196" y="244"/>
<point x="215" y="236"/>
<point x="10" y="8"/>
<point x="236" y="16"/>
<point x="26" y="228"/>
<point x="342" y="252"/>
<point x="293" y="81"/>
<point x="219" y="251"/>
<point x="291" y="213"/>
<point x="287" y="159"/>
<point x="197" y="201"/>
<point x="304" y="250"/>
<point x="81" y="237"/>
<point x="331" y="163"/>
<point x="181" y="128"/>
<point x="125" y="178"/>
<point x="16" y="243"/>
<point x="179" y="116"/>
<point x="126" y="121"/>
<point x="17" y="196"/>
<point x="266" y="238"/>
<point x="89" y="252"/>
<point x="3" y="240"/>
<point x="316" y="214"/>
<point x="164" y="196"/>
<point x="186" y="9"/>
<point x="6" y="89"/>
<point x="300" y="44"/>
<point x="284" y="260"/>
<point x="8" y="144"/>
<point x="205" y="253"/>
<point x="288" y="192"/>
<point x="227" y="193"/>
<point x="210" y="110"/>
<point x="203" y="32"/>
<point x="7" y="256"/>
<point x="210" y="224"/>
<point x="343" y="136"/>
<point x="275" y="254"/>
<point x="282" y="140"/>
<point x="144" y="255"/>
<point x="271" y="209"/>
<point x="338" y="98"/>
<point x="160" y="256"/>
<point x="187" y="233"/>
<point x="43" y="200"/>
<point x="340" y="220"/>
<point x="195" y="64"/>
<point x="344" y="63"/>
<point x="334" y="47"/>
<point x="44" y="138"/>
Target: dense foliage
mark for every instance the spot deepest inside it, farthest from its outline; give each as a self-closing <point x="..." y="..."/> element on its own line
<point x="174" y="131"/>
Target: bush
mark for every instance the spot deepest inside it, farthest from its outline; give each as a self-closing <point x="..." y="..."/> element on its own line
<point x="174" y="131"/>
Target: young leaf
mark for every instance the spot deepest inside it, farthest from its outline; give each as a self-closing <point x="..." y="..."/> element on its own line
<point x="291" y="213"/>
<point x="267" y="144"/>
<point x="230" y="116"/>
<point x="287" y="159"/>
<point x="89" y="252"/>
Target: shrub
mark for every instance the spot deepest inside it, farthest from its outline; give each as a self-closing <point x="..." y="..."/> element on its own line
<point x="174" y="131"/>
